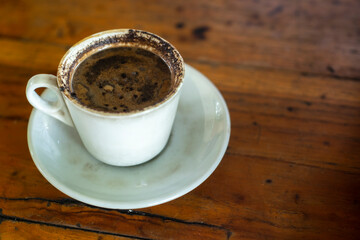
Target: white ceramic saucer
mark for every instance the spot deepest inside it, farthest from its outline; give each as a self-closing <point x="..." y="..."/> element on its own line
<point x="197" y="144"/>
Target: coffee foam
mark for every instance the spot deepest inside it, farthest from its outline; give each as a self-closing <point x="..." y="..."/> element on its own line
<point x="121" y="79"/>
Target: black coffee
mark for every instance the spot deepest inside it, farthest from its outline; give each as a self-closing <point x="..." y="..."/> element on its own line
<point x="121" y="79"/>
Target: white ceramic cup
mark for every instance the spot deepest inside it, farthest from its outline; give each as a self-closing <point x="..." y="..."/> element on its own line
<point x="120" y="139"/>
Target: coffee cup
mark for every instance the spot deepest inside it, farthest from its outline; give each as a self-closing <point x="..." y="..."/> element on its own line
<point x="119" y="138"/>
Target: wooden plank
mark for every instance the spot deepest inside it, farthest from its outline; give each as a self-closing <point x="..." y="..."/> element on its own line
<point x="304" y="88"/>
<point x="28" y="54"/>
<point x="308" y="36"/>
<point x="126" y="223"/>
<point x="228" y="78"/>
<point x="307" y="90"/>
<point x="22" y="229"/>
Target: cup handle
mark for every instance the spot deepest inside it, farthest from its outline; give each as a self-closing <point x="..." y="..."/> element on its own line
<point x="56" y="109"/>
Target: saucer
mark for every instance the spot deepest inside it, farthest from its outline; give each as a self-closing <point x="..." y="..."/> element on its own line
<point x="196" y="146"/>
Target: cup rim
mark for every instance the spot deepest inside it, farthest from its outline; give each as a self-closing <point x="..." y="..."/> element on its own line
<point x="120" y="38"/>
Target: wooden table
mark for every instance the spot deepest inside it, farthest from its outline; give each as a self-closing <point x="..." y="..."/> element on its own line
<point x="290" y="73"/>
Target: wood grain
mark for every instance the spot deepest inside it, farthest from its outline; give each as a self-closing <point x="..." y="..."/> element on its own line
<point x="289" y="73"/>
<point x="306" y="36"/>
<point x="22" y="229"/>
<point x="129" y="223"/>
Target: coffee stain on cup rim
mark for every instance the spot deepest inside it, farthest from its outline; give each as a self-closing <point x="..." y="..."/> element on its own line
<point x="120" y="38"/>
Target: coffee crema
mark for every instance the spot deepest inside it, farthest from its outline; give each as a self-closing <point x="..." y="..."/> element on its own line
<point x="121" y="79"/>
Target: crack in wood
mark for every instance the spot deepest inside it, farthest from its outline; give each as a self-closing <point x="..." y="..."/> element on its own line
<point x="298" y="118"/>
<point x="294" y="101"/>
<point x="69" y="201"/>
<point x="164" y="218"/>
<point x="277" y="69"/>
<point x="18" y="219"/>
<point x="231" y="153"/>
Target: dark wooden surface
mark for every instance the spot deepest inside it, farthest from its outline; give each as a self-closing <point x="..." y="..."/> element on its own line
<point x="290" y="73"/>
